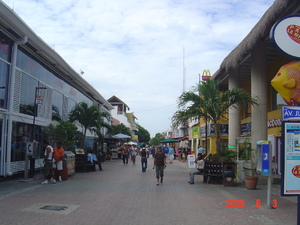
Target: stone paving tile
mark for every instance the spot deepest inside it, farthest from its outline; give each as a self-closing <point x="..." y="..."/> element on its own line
<point x="122" y="194"/>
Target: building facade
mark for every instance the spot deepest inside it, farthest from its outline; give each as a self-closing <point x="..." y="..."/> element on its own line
<point x="37" y="87"/>
<point x="120" y="114"/>
<point x="251" y="66"/>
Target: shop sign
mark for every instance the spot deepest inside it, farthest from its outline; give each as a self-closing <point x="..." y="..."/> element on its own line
<point x="191" y="161"/>
<point x="196" y="132"/>
<point x="291" y="113"/>
<point x="285" y="35"/>
<point x="206" y="75"/>
<point x="290" y="161"/>
<point x="39" y="100"/>
<point x="246" y="129"/>
<point x="274" y="123"/>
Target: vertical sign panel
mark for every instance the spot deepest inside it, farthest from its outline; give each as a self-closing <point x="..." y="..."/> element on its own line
<point x="290" y="151"/>
<point x="266" y="170"/>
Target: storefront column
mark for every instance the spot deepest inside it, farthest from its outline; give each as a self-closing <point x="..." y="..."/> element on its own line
<point x="259" y="88"/>
<point x="234" y="130"/>
<point x="10" y="102"/>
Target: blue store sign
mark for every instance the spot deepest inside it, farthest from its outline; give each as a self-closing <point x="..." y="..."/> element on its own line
<point x="266" y="170"/>
<point x="291" y="113"/>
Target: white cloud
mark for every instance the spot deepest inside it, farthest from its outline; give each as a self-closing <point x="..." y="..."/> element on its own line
<point x="134" y="49"/>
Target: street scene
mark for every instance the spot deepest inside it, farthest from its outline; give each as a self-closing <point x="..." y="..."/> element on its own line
<point x="123" y="194"/>
<point x="150" y="112"/>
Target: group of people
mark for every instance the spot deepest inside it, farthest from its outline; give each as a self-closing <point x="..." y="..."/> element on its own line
<point x="159" y="162"/>
<point x="53" y="161"/>
<point x="129" y="151"/>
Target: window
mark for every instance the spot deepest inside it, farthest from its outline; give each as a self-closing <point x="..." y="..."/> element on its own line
<point x="5" y="48"/>
<point x="71" y="105"/>
<point x="57" y="106"/>
<point x="27" y="94"/>
<point x="4" y="69"/>
<point x="21" y="135"/>
<point x="41" y="73"/>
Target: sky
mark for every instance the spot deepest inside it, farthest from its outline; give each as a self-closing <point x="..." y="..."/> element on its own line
<point x="145" y="52"/>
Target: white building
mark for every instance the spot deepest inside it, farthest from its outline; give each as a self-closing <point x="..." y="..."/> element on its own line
<point x="30" y="67"/>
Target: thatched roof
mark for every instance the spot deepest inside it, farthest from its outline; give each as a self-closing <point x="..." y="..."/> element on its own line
<point x="260" y="31"/>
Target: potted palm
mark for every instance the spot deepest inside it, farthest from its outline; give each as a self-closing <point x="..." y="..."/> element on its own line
<point x="251" y="177"/>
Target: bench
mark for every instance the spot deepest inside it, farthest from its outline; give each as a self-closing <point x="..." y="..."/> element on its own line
<point x="82" y="165"/>
<point x="217" y="172"/>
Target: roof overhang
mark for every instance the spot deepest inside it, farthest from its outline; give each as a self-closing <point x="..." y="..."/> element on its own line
<point x="240" y="57"/>
<point x="13" y="26"/>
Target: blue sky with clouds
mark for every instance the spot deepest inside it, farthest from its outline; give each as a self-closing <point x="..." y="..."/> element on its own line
<point x="134" y="48"/>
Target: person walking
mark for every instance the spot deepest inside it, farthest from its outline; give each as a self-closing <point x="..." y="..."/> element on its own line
<point x="153" y="151"/>
<point x="171" y="154"/>
<point x="144" y="159"/>
<point x="47" y="170"/>
<point x="160" y="164"/>
<point x="58" y="155"/>
<point x="125" y="153"/>
<point x="133" y="154"/>
<point x="148" y="151"/>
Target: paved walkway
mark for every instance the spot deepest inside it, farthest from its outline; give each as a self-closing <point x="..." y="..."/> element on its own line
<point x="122" y="194"/>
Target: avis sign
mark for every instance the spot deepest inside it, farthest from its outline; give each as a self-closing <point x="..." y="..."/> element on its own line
<point x="291" y="113"/>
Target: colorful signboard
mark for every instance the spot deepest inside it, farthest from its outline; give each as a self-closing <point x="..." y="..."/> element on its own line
<point x="39" y="100"/>
<point x="191" y="161"/>
<point x="195" y="132"/>
<point x="285" y="35"/>
<point x="290" y="151"/>
<point x="266" y="163"/>
<point x="291" y="113"/>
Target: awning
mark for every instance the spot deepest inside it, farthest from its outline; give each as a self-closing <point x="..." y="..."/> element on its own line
<point x="170" y="140"/>
<point x="109" y="136"/>
<point x="183" y="138"/>
<point x="131" y="143"/>
<point x="122" y="136"/>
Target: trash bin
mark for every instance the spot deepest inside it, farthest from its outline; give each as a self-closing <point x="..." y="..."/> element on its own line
<point x="228" y="174"/>
<point x="69" y="162"/>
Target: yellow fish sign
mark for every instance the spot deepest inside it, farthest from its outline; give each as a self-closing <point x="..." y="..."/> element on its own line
<point x="287" y="82"/>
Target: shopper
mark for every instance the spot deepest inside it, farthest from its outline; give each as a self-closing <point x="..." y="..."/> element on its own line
<point x="47" y="170"/>
<point x="125" y="153"/>
<point x="58" y="156"/>
<point x="171" y="154"/>
<point x="159" y="164"/>
<point x="133" y="154"/>
<point x="144" y="159"/>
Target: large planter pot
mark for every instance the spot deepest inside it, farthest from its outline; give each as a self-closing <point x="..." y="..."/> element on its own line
<point x="251" y="182"/>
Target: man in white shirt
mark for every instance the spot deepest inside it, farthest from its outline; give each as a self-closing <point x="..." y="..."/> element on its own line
<point x="200" y="166"/>
<point x="47" y="170"/>
<point x="200" y="150"/>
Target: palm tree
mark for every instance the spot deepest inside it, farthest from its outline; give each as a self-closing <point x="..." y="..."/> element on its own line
<point x="210" y="104"/>
<point x="90" y="118"/>
<point x="101" y="123"/>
